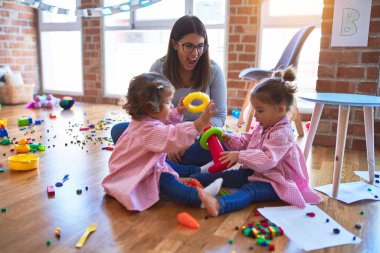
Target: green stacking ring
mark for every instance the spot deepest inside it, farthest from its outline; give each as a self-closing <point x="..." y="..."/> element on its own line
<point x="207" y="134"/>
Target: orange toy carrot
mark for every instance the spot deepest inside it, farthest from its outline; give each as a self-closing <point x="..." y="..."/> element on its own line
<point x="194" y="183"/>
<point x="187" y="220"/>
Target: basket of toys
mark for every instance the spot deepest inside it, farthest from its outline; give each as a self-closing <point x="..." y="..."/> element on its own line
<point x="11" y="95"/>
<point x="13" y="90"/>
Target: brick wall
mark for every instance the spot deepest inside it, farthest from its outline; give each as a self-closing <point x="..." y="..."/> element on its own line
<point x="18" y="40"/>
<point x="92" y="71"/>
<point x="347" y="70"/>
<point x="242" y="43"/>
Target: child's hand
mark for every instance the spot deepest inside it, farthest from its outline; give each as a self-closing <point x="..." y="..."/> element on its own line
<point x="226" y="137"/>
<point x="176" y="157"/>
<point x="180" y="107"/>
<point x="230" y="157"/>
<point x="205" y="117"/>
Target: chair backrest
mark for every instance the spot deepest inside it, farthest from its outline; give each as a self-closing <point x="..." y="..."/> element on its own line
<point x="292" y="51"/>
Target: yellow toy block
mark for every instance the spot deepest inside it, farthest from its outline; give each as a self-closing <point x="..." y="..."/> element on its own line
<point x="3" y="122"/>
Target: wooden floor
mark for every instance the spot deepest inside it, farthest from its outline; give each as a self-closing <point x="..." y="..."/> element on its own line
<point x="32" y="217"/>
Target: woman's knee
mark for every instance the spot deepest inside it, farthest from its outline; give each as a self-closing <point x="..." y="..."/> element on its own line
<point x="117" y="130"/>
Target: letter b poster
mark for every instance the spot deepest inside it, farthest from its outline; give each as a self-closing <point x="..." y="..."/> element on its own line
<point x="351" y="23"/>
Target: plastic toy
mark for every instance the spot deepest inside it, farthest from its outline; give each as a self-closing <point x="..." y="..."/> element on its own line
<point x="210" y="141"/>
<point x="50" y="190"/>
<point x="3" y="123"/>
<point x="43" y="101"/>
<point x="22" y="147"/>
<point x="187" y="220"/>
<point x="57" y="232"/>
<point x="64" y="179"/>
<point x="5" y="141"/>
<point x="26" y="121"/>
<point x="66" y="102"/>
<point x="236" y="113"/>
<point x="194" y="183"/>
<point x="263" y="232"/>
<point x="23" y="162"/>
<point x="3" y="132"/>
<point x="196" y="96"/>
<point x="36" y="147"/>
<point x="83" y="239"/>
<point x="307" y="125"/>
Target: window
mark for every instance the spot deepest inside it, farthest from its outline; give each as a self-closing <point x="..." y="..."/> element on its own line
<point x="280" y="20"/>
<point x="61" y="50"/>
<point x="133" y="41"/>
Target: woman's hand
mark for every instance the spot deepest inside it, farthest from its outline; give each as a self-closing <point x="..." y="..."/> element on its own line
<point x="180" y="107"/>
<point x="226" y="137"/>
<point x="204" y="118"/>
<point x="230" y="157"/>
<point x="176" y="157"/>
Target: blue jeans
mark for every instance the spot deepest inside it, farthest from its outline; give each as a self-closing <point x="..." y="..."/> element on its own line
<point x="184" y="170"/>
<point x="177" y="191"/>
<point x="247" y="193"/>
<point x="194" y="155"/>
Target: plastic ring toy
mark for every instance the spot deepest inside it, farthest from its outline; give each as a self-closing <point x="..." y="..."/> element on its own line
<point x="207" y="134"/>
<point x="196" y="96"/>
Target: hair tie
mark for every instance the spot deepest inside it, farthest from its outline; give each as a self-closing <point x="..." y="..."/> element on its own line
<point x="160" y="87"/>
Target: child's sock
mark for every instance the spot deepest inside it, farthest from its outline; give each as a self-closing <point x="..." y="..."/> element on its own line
<point x="204" y="168"/>
<point x="213" y="188"/>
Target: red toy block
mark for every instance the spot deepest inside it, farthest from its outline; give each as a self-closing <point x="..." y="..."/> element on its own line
<point x="50" y="190"/>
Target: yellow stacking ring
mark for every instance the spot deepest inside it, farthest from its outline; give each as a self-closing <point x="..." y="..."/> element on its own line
<point x="196" y="96"/>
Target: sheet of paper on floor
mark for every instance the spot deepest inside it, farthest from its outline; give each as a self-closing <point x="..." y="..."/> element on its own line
<point x="352" y="192"/>
<point x="365" y="175"/>
<point x="309" y="233"/>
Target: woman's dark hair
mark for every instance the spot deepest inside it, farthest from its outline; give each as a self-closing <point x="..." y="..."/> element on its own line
<point x="278" y="89"/>
<point x="201" y="73"/>
<point x="146" y="93"/>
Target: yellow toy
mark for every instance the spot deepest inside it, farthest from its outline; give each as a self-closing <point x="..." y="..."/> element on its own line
<point x="3" y="123"/>
<point x="22" y="147"/>
<point x="23" y="162"/>
<point x="196" y="96"/>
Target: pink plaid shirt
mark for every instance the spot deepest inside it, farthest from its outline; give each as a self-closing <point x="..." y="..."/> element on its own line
<point x="275" y="158"/>
<point x="139" y="157"/>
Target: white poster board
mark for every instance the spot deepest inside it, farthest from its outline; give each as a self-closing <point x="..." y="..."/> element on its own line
<point x="351" y="23"/>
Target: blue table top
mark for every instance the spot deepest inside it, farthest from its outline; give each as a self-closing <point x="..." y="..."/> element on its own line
<point x="341" y="99"/>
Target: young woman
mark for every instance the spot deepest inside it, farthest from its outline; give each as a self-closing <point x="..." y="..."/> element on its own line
<point x="188" y="66"/>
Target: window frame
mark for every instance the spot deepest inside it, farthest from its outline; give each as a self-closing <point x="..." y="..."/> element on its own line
<point x="268" y="21"/>
<point x="162" y="24"/>
<point x="60" y="27"/>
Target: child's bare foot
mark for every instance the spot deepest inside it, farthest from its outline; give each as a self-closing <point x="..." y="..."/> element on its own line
<point x="212" y="204"/>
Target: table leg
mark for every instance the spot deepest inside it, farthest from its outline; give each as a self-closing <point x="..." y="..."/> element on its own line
<point x="341" y="135"/>
<point x="369" y="136"/>
<point x="313" y="128"/>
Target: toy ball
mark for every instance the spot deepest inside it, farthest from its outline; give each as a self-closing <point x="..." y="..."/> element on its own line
<point x="66" y="103"/>
<point x="236" y="113"/>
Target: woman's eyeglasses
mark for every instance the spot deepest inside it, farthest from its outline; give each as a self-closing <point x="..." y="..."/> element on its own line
<point x="189" y="47"/>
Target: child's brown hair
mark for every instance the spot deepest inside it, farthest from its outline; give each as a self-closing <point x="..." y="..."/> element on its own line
<point x="278" y="89"/>
<point x="146" y="93"/>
